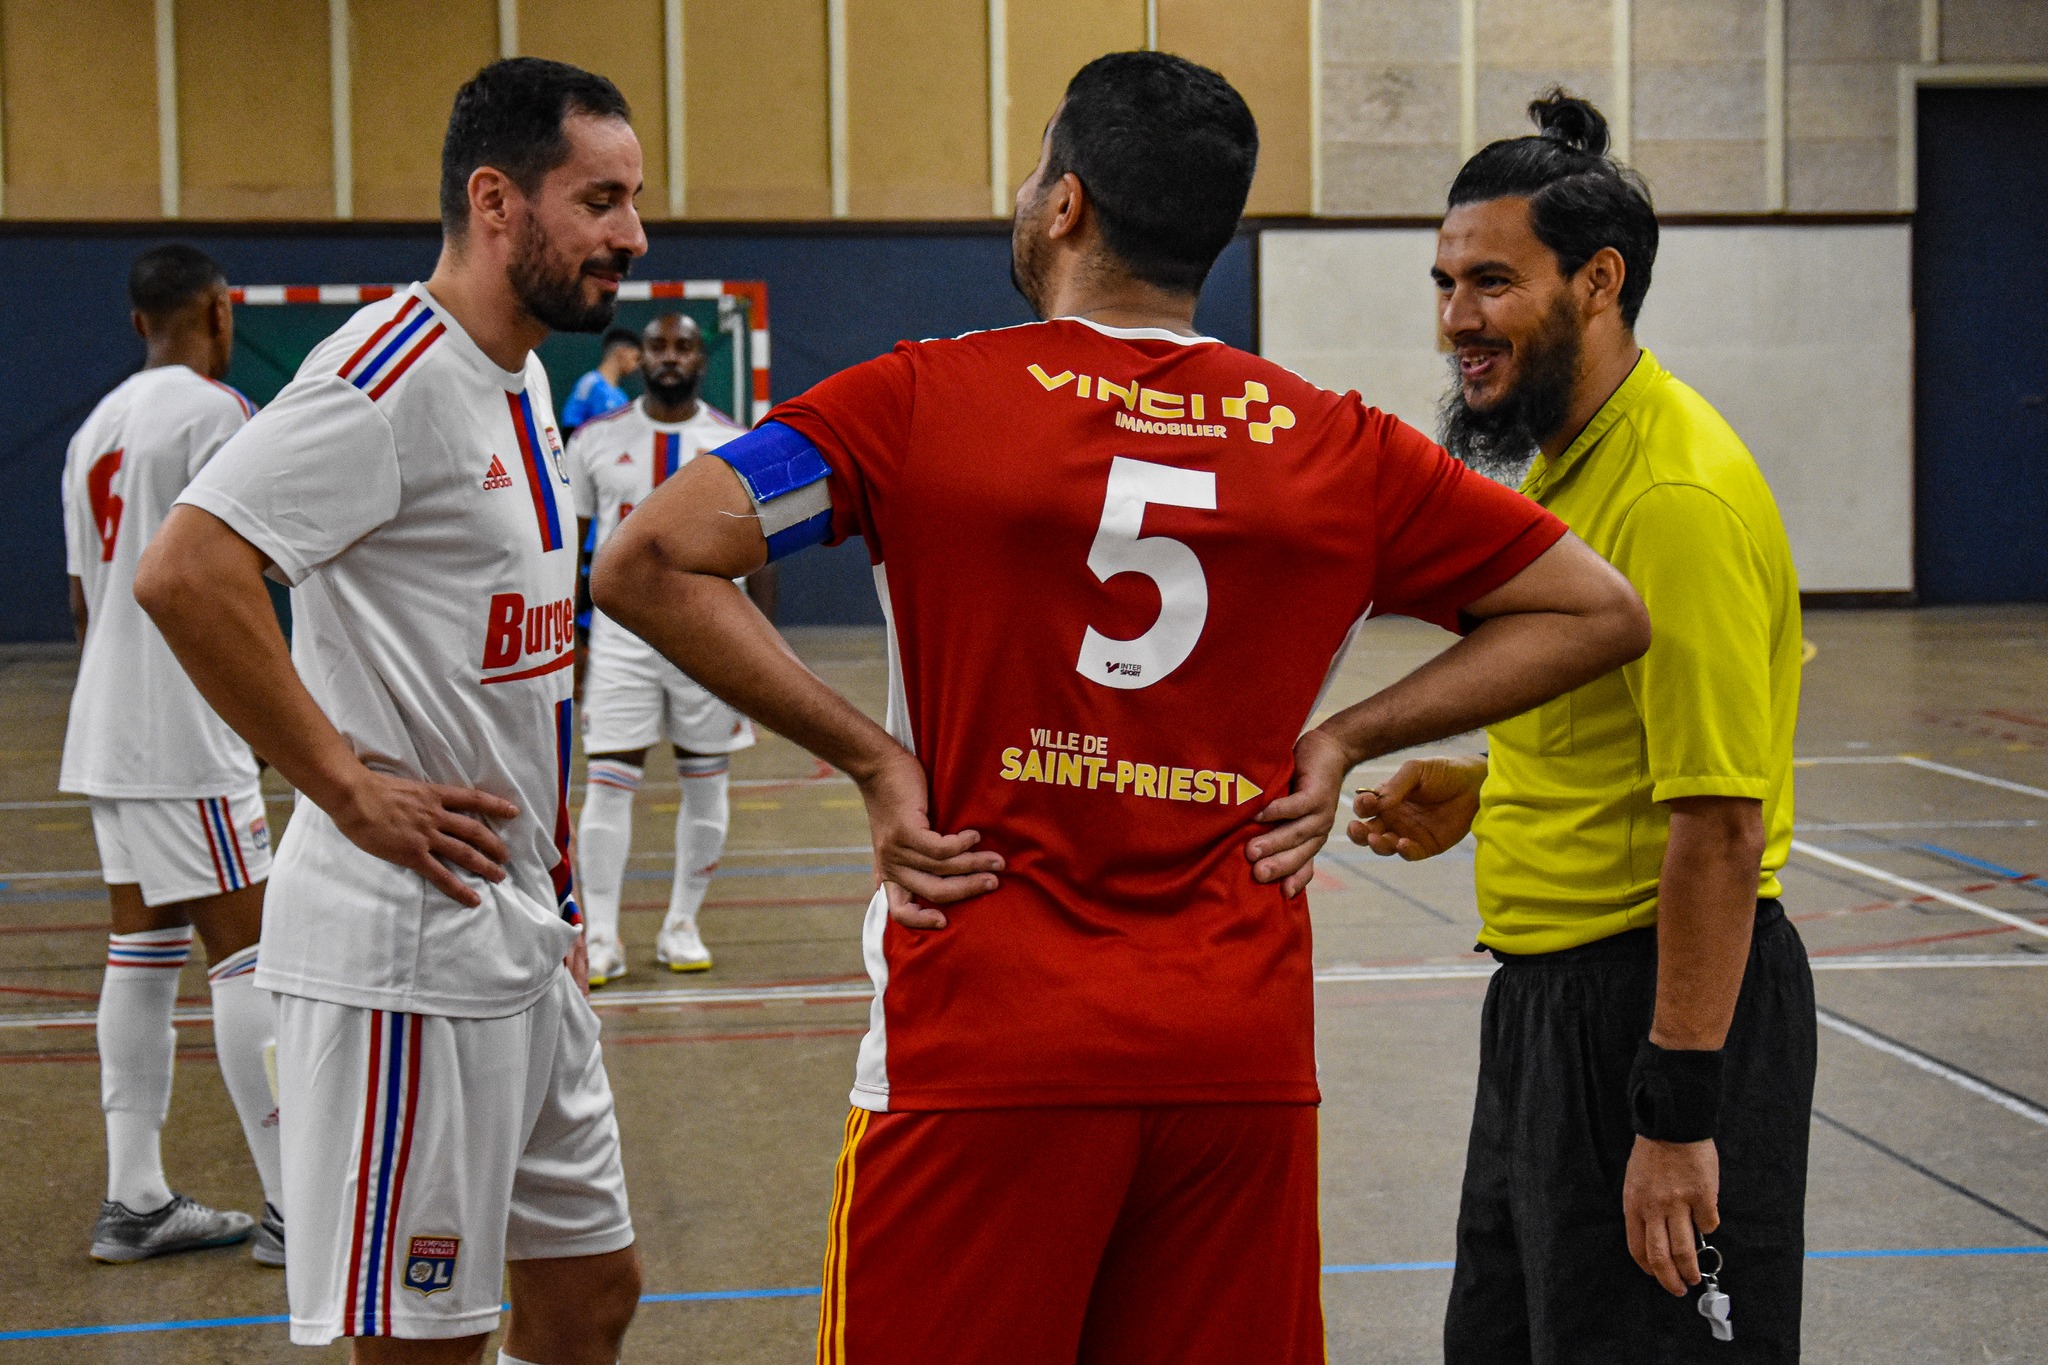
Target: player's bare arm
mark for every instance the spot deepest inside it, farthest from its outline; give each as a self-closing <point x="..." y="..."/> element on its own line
<point x="78" y="608"/>
<point x="1422" y="810"/>
<point x="1706" y="912"/>
<point x="202" y="584"/>
<point x="1566" y="619"/>
<point x="666" y="575"/>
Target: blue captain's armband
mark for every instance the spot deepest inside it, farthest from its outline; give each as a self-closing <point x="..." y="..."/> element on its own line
<point x="786" y="478"/>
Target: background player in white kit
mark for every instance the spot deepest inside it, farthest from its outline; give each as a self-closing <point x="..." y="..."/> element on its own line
<point x="444" y="1098"/>
<point x="632" y="697"/>
<point x="176" y="809"/>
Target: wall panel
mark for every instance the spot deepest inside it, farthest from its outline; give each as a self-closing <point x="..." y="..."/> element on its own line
<point x="81" y="115"/>
<point x="917" y="108"/>
<point x="757" y="120"/>
<point x="409" y="58"/>
<point x="1699" y="103"/>
<point x="621" y="40"/>
<point x="1264" y="51"/>
<point x="1390" y="105"/>
<point x="1525" y="48"/>
<point x="1818" y="382"/>
<point x="1842" y="101"/>
<point x="1049" y="40"/>
<point x="255" y="130"/>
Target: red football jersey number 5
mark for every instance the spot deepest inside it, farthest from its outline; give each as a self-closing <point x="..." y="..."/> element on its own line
<point x="106" y="507"/>
<point x="1172" y="566"/>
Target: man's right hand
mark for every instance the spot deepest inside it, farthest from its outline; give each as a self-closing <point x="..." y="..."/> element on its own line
<point x="914" y="862"/>
<point x="423" y="826"/>
<point x="1425" y="808"/>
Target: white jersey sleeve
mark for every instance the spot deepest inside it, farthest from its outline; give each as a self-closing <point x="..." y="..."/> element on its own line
<point x="75" y="535"/>
<point x="311" y="475"/>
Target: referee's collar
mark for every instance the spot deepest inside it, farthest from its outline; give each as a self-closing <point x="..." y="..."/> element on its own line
<point x="1544" y="472"/>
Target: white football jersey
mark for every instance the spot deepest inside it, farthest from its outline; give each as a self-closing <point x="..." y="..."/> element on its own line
<point x="416" y="498"/>
<point x="615" y="463"/>
<point x="139" y="729"/>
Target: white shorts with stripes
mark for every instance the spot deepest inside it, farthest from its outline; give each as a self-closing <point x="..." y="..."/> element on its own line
<point x="423" y="1152"/>
<point x="180" y="849"/>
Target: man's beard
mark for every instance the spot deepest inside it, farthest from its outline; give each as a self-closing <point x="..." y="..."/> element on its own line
<point x="555" y="299"/>
<point x="676" y="394"/>
<point x="1027" y="264"/>
<point x="1501" y="440"/>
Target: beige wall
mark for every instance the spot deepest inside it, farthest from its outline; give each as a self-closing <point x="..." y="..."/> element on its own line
<point x="1368" y="115"/>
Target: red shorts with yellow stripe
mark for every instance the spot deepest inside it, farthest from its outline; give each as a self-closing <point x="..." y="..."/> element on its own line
<point x="1030" y="1236"/>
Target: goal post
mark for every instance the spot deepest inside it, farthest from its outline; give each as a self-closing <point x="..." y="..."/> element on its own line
<point x="278" y="325"/>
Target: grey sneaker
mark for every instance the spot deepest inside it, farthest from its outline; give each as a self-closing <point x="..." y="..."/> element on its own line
<point x="266" y="1247"/>
<point x="121" y="1234"/>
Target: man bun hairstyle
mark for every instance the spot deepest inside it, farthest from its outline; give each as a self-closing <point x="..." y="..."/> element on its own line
<point x="1166" y="151"/>
<point x="166" y="278"/>
<point x="1580" y="198"/>
<point x="509" y="116"/>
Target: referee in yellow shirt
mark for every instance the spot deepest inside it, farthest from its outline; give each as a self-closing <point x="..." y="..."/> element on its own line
<point x="1647" y="1051"/>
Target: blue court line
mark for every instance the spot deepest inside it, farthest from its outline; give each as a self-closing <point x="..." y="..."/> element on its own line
<point x="809" y="1291"/>
<point x="1967" y="861"/>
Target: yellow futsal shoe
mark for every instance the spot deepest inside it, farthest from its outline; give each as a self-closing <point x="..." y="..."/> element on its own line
<point x="680" y="948"/>
<point x="607" y="959"/>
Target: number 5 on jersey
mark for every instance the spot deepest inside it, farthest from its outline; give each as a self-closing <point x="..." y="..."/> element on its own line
<point x="1171" y="565"/>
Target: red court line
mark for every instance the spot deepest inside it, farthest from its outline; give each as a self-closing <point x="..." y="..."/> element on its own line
<point x="96" y="927"/>
<point x="1916" y="942"/>
<point x="2017" y="718"/>
<point x="196" y="1054"/>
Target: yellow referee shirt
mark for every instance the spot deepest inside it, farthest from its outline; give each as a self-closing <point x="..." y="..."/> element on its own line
<point x="1571" y="825"/>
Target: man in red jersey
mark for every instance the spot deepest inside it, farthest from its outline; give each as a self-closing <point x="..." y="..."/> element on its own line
<point x="1119" y="562"/>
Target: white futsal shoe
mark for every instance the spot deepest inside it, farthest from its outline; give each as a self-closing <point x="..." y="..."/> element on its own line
<point x="121" y="1234"/>
<point x="607" y="959"/>
<point x="680" y="948"/>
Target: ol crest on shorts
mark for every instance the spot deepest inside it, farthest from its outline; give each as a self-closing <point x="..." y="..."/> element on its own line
<point x="430" y="1264"/>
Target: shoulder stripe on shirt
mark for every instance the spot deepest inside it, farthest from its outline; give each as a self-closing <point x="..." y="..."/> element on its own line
<point x="248" y="408"/>
<point x="369" y="345"/>
<point x="540" y="479"/>
<point x="385" y="364"/>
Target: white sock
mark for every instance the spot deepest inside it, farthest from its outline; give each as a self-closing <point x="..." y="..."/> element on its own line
<point x="244" y="1024"/>
<point x="701" y="819"/>
<point x="507" y="1358"/>
<point x="138" y="1049"/>
<point x="604" y="838"/>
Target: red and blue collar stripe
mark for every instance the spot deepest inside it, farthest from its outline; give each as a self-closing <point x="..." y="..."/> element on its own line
<point x="540" y="475"/>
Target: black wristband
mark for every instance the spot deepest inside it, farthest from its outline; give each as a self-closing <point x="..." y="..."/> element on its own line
<point x="1675" y="1096"/>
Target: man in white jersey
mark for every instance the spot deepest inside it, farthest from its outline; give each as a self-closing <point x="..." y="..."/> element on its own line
<point x="176" y="809"/>
<point x="444" y="1099"/>
<point x="633" y="697"/>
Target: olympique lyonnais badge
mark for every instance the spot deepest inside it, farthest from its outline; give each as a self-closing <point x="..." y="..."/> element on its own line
<point x="430" y="1264"/>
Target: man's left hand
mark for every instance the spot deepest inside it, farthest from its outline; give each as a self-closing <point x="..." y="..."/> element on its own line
<point x="1672" y="1193"/>
<point x="1304" y="816"/>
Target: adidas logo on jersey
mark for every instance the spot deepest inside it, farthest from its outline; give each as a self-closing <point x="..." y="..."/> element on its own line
<point x="625" y="457"/>
<point x="496" y="477"/>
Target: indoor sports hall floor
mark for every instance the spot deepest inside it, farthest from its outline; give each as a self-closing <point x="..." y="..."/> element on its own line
<point x="1923" y="804"/>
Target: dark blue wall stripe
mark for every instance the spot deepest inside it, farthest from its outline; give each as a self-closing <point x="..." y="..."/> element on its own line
<point x="834" y="299"/>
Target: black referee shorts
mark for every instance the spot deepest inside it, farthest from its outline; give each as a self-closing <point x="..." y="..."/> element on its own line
<point x="1543" y="1274"/>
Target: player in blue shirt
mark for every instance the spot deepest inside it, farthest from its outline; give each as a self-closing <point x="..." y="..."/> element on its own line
<point x="598" y="392"/>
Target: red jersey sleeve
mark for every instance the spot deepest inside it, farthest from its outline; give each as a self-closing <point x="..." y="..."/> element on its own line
<point x="1447" y="536"/>
<point x="859" y="420"/>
